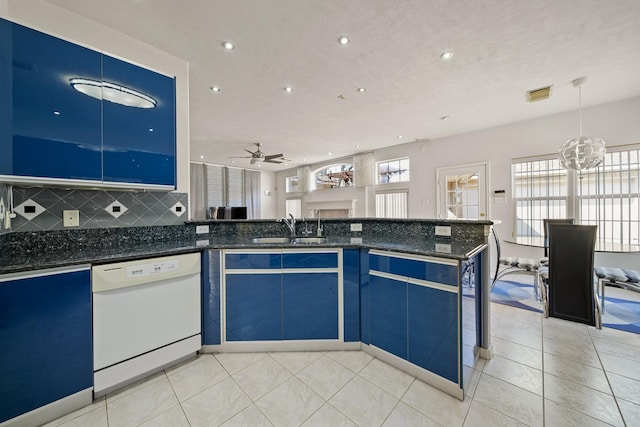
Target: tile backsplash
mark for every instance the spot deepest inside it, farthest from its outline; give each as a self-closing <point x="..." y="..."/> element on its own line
<point x="40" y="209"/>
<point x="4" y="204"/>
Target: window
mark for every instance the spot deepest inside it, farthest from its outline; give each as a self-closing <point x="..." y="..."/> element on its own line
<point x="392" y="205"/>
<point x="294" y="207"/>
<point x="393" y="171"/>
<point x="291" y="184"/>
<point x="225" y="186"/>
<point x="334" y="176"/>
<point x="607" y="196"/>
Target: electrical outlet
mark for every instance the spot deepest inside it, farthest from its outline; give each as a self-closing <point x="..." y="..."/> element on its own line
<point x="356" y="227"/>
<point x="443" y="230"/>
<point x="202" y="229"/>
<point x="71" y="218"/>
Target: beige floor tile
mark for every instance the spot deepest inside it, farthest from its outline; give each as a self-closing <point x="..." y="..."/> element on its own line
<point x="96" y="404"/>
<point x="141" y="405"/>
<point x="625" y="388"/>
<point x="583" y="399"/>
<point x="435" y="404"/>
<point x="480" y="415"/>
<point x="261" y="377"/>
<point x="578" y="373"/>
<point x="296" y="361"/>
<point x="354" y="360"/>
<point x="616" y="335"/>
<point x="404" y="415"/>
<point x="327" y="415"/>
<point x="133" y="387"/>
<point x="290" y="404"/>
<point x="174" y="417"/>
<point x="515" y="373"/>
<point x="216" y="404"/>
<point x="250" y="416"/>
<point x="472" y="376"/>
<point x="519" y="337"/>
<point x="388" y="378"/>
<point x="325" y="376"/>
<point x="625" y="351"/>
<point x="557" y="415"/>
<point x="517" y="352"/>
<point x="196" y="376"/>
<point x="621" y="366"/>
<point x="364" y="403"/>
<point x="234" y="362"/>
<point x="513" y="401"/>
<point x="630" y="412"/>
<point x="584" y="355"/>
<point x="94" y="418"/>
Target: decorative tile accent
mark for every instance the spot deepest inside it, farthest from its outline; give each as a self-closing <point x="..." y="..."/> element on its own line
<point x="116" y="209"/>
<point x="178" y="209"/>
<point x="29" y="209"/>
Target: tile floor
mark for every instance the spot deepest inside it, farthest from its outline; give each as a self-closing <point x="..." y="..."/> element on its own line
<point x="545" y="372"/>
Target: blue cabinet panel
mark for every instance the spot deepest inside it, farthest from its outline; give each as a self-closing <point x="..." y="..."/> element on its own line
<point x="434" y="330"/>
<point x="211" y="297"/>
<point x="253" y="307"/>
<point x="417" y="269"/>
<point x="380" y="263"/>
<point x="53" y="130"/>
<point x="253" y="261"/>
<point x="139" y="143"/>
<point x="309" y="260"/>
<point x="389" y="315"/>
<point x="351" y="291"/>
<point x="310" y="306"/>
<point x="45" y="331"/>
<point x="365" y="302"/>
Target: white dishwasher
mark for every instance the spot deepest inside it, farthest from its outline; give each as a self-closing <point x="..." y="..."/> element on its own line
<point x="146" y="315"/>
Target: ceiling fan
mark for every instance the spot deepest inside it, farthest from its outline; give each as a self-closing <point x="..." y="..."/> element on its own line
<point x="258" y="156"/>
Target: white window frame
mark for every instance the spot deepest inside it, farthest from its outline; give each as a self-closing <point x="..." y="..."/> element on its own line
<point x="402" y="173"/>
<point x="382" y="209"/>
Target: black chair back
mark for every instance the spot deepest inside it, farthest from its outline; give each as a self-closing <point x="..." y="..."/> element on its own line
<point x="571" y="289"/>
<point x="546" y="223"/>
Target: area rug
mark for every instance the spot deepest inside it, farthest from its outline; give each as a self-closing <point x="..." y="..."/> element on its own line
<point x="621" y="308"/>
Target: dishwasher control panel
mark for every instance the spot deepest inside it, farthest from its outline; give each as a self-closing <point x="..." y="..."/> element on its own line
<point x="142" y="270"/>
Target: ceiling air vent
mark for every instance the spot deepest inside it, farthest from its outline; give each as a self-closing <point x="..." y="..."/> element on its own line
<point x="538" y="94"/>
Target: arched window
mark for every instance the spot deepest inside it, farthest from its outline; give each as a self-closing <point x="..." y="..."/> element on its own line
<point x="334" y="176"/>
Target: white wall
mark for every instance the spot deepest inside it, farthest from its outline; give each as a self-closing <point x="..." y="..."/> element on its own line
<point x="268" y="202"/>
<point x="59" y="22"/>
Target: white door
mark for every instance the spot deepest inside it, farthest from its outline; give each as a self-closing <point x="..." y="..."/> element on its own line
<point x="463" y="192"/>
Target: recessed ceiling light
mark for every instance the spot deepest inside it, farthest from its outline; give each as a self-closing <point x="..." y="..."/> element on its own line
<point x="362" y="89"/>
<point x="228" y="45"/>
<point x="288" y="89"/>
<point x="444" y="118"/>
<point x="446" y="55"/>
<point x="215" y="89"/>
<point x="202" y="157"/>
<point x="330" y="153"/>
<point x="343" y="40"/>
<point x="399" y="136"/>
<point x="358" y="146"/>
<point x="233" y="162"/>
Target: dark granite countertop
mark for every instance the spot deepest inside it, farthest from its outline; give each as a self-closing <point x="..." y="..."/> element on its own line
<point x="20" y="252"/>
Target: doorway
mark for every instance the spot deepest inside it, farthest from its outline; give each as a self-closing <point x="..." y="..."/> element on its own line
<point x="463" y="192"/>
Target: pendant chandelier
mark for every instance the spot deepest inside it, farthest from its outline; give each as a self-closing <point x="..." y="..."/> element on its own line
<point x="582" y="152"/>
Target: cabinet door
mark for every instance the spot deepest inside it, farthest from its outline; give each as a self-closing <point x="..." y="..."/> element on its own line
<point x="388" y="299"/>
<point x="55" y="130"/>
<point x="211" y="297"/>
<point x="433" y="330"/>
<point x="310" y="306"/>
<point x="253" y="307"/>
<point x="351" y="291"/>
<point x="45" y="331"/>
<point x="139" y="143"/>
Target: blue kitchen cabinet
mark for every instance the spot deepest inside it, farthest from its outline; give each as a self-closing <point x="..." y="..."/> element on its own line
<point x="211" y="314"/>
<point x="433" y="330"/>
<point x="365" y="298"/>
<point x="254" y="307"/>
<point x="351" y="294"/>
<point x="388" y="299"/>
<point x="49" y="129"/>
<point x="310" y="306"/>
<point x="139" y="137"/>
<point x="45" y="331"/>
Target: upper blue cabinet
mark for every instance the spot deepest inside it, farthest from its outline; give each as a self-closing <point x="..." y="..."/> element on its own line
<point x="139" y="127"/>
<point x="74" y="114"/>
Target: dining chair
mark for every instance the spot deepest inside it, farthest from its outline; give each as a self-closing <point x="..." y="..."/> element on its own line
<point x="546" y="222"/>
<point x="515" y="265"/>
<point x="568" y="290"/>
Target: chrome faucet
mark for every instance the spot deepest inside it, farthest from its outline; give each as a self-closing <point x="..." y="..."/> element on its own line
<point x="306" y="230"/>
<point x="319" y="229"/>
<point x="291" y="223"/>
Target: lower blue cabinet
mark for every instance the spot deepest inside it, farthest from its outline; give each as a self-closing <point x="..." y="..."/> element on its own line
<point x="388" y="302"/>
<point x="310" y="306"/>
<point x="254" y="307"/>
<point x="211" y="288"/>
<point x="433" y="330"/>
<point x="45" y="331"/>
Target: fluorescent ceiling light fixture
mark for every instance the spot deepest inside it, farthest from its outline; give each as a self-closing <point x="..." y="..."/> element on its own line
<point x="446" y="55"/>
<point x="228" y="45"/>
<point x="362" y="89"/>
<point x="343" y="40"/>
<point x="113" y="93"/>
<point x="215" y="89"/>
<point x="288" y="89"/>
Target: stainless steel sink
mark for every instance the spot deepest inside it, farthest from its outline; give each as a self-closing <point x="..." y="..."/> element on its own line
<point x="271" y="240"/>
<point x="309" y="240"/>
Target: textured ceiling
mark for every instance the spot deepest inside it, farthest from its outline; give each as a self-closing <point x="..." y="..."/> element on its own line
<point x="502" y="49"/>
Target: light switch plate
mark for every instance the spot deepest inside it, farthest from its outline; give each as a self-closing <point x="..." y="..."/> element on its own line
<point x="71" y="218"/>
<point x="443" y="230"/>
<point x="356" y="227"/>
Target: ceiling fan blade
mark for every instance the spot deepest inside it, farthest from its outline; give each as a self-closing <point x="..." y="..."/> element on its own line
<point x="251" y="152"/>
<point x="271" y="161"/>
<point x="253" y="161"/>
<point x="273" y="156"/>
<point x="240" y="157"/>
